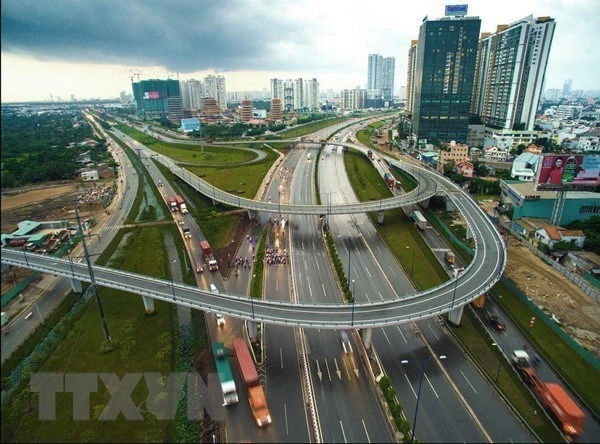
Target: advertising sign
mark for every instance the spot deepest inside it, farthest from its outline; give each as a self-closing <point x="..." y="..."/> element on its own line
<point x="192" y="124"/>
<point x="151" y="95"/>
<point x="454" y="10"/>
<point x="568" y="172"/>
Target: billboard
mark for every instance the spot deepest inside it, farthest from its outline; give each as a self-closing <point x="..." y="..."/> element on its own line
<point x="151" y="95"/>
<point x="188" y="125"/>
<point x="454" y="10"/>
<point x="566" y="172"/>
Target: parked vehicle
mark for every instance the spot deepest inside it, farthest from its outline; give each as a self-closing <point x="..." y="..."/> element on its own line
<point x="256" y="395"/>
<point x="213" y="265"/>
<point x="228" y="387"/>
<point x="555" y="400"/>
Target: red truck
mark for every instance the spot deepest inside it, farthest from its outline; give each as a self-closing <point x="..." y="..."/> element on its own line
<point x="213" y="265"/>
<point x="256" y="395"/>
<point x="172" y="202"/>
<point x="181" y="204"/>
<point x="557" y="402"/>
<point x="389" y="180"/>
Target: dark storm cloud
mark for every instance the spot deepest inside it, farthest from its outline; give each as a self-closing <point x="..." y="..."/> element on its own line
<point x="182" y="35"/>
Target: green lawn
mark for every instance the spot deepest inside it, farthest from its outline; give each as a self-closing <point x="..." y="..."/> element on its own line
<point x="312" y="127"/>
<point x="79" y="351"/>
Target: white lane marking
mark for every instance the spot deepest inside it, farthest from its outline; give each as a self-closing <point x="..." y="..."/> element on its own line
<point x="328" y="372"/>
<point x="305" y="266"/>
<point x="468" y="382"/>
<point x="434" y="392"/>
<point x="386" y="336"/>
<point x="401" y="334"/>
<point x="366" y="433"/>
<point x="436" y="336"/>
<point x="287" y="430"/>
<point x="367" y="270"/>
<point x="392" y="271"/>
<point x="323" y="288"/>
<point x="344" y="434"/>
<point x="410" y="385"/>
<point x="281" y="356"/>
<point x="310" y="291"/>
<point x="381" y="296"/>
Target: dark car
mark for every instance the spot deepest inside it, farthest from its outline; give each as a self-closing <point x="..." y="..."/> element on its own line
<point x="496" y="322"/>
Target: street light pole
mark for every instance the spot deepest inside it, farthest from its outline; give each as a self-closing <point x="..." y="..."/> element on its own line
<point x="422" y="362"/>
<point x="353" y="300"/>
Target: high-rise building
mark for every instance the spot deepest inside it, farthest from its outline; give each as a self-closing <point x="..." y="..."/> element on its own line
<point x="443" y="80"/>
<point x="552" y="94"/>
<point x="567" y="87"/>
<point x="192" y="92"/>
<point x="298" y="93"/>
<point x="158" y="98"/>
<point x="288" y="95"/>
<point x="215" y="87"/>
<point x="276" y="89"/>
<point x="410" y="75"/>
<point x="276" y="112"/>
<point x="311" y="94"/>
<point x="380" y="80"/>
<point x="353" y="98"/>
<point x="511" y="67"/>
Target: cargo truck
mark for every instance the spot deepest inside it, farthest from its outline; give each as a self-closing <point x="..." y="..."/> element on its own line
<point x="419" y="220"/>
<point x="172" y="203"/>
<point x="228" y="388"/>
<point x="181" y="204"/>
<point x="213" y="265"/>
<point x="389" y="180"/>
<point x="555" y="400"/>
<point x="256" y="395"/>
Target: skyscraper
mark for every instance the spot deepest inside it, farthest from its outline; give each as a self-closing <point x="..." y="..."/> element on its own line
<point x="410" y="76"/>
<point x="158" y="98"/>
<point x="511" y="67"/>
<point x="443" y="80"/>
<point x="380" y="80"/>
<point x="276" y="89"/>
<point x="215" y="87"/>
<point x="567" y="87"/>
<point x="311" y="94"/>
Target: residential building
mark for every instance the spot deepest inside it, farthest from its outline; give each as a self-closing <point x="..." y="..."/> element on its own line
<point x="443" y="78"/>
<point x="353" y="98"/>
<point x="215" y="87"/>
<point x="475" y="135"/>
<point x="465" y="168"/>
<point x="89" y="175"/>
<point x="192" y="92"/>
<point x="566" y="91"/>
<point x="551" y="235"/>
<point x="495" y="153"/>
<point x="380" y="79"/>
<point x="298" y="93"/>
<point x="507" y="139"/>
<point x="276" y="89"/>
<point x="410" y="75"/>
<point x="311" y="94"/>
<point x="525" y="166"/>
<point x="288" y="95"/>
<point x="511" y="68"/>
<point x="452" y="152"/>
<point x="552" y="94"/>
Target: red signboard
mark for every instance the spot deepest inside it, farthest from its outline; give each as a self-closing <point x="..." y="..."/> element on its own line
<point x="568" y="172"/>
<point x="151" y="95"/>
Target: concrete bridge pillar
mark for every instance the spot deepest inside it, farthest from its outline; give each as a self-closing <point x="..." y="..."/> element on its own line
<point x="252" y="330"/>
<point x="367" y="337"/>
<point x="252" y="214"/>
<point x="380" y="217"/>
<point x="76" y="285"/>
<point x="148" y="304"/>
<point x="455" y="315"/>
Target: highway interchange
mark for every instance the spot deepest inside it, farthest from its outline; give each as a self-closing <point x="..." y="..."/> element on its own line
<point x="339" y="380"/>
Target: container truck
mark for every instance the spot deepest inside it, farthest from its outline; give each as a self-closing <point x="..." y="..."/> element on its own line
<point x="419" y="220"/>
<point x="555" y="400"/>
<point x="213" y="265"/>
<point x="181" y="204"/>
<point x="389" y="180"/>
<point x="256" y="395"/>
<point x="172" y="203"/>
<point x="228" y="388"/>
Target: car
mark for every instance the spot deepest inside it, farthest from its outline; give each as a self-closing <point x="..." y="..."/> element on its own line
<point x="496" y="322"/>
<point x="346" y="345"/>
<point x="220" y="319"/>
<point x="198" y="267"/>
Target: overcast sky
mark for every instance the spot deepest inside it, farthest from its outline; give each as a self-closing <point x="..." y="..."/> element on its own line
<point x="91" y="48"/>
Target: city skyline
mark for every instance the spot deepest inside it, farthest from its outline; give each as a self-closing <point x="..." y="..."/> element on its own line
<point x="82" y="55"/>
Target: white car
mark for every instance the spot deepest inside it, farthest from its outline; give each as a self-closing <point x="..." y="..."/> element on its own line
<point x="220" y="319"/>
<point x="346" y="345"/>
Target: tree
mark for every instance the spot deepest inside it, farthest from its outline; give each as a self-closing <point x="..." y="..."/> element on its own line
<point x="519" y="149"/>
<point x="519" y="126"/>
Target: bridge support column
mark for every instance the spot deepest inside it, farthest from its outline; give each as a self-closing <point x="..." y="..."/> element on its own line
<point x="380" y="218"/>
<point x="252" y="330"/>
<point x="252" y="214"/>
<point x="455" y="315"/>
<point x="367" y="337"/>
<point x="148" y="304"/>
<point x="76" y="285"/>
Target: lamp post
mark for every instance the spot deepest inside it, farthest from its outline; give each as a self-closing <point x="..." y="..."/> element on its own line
<point x="422" y="362"/>
<point x="501" y="347"/>
<point x="412" y="262"/>
<point x="353" y="300"/>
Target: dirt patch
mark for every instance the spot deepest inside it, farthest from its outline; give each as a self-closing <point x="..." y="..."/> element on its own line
<point x="578" y="313"/>
<point x="16" y="199"/>
<point x="224" y="255"/>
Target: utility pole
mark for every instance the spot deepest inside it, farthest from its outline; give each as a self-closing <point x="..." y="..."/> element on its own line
<point x="91" y="271"/>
